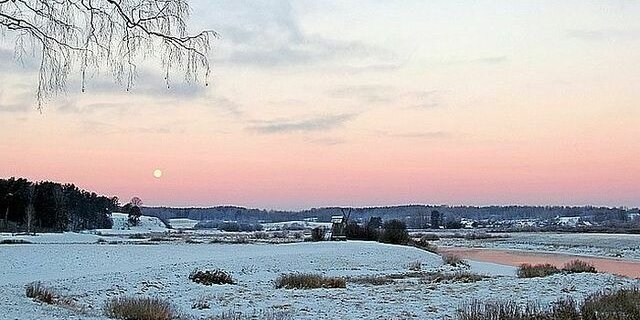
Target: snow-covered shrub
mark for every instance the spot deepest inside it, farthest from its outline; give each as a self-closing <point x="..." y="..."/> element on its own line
<point x="539" y="270"/>
<point x="453" y="260"/>
<point x="260" y="235"/>
<point x="578" y="266"/>
<point x="139" y="308"/>
<point x="415" y="266"/>
<point x="424" y="244"/>
<point x="208" y="277"/>
<point x="309" y="281"/>
<point x="36" y="290"/>
<point x="201" y="304"/>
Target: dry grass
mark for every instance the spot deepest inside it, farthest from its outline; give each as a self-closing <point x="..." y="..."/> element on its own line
<point x="268" y="314"/>
<point x="138" y="308"/>
<point x="508" y="310"/>
<point x="371" y="280"/>
<point x="208" y="277"/>
<point x="457" y="277"/>
<point x="37" y="291"/>
<point x="539" y="270"/>
<point x="309" y="281"/>
<point x="542" y="270"/>
<point x="422" y="277"/>
<point x="621" y="304"/>
<point x="579" y="266"/>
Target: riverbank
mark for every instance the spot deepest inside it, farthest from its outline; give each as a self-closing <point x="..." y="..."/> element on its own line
<point x="515" y="258"/>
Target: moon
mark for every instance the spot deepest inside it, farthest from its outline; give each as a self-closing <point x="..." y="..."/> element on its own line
<point x="157" y="173"/>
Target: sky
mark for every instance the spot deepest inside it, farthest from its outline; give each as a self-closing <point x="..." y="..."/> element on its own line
<point x="356" y="103"/>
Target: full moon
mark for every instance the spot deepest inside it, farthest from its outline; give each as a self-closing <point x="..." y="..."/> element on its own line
<point x="157" y="173"/>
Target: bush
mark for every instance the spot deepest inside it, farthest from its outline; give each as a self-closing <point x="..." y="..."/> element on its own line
<point x="395" y="232"/>
<point x="37" y="291"/>
<point x="317" y="234"/>
<point x="509" y="310"/>
<point x="424" y="244"/>
<point x="138" y="308"/>
<point x="453" y="260"/>
<point x="208" y="277"/>
<point x="539" y="270"/>
<point x="579" y="266"/>
<point x="308" y="281"/>
<point x="621" y="304"/>
<point x="368" y="231"/>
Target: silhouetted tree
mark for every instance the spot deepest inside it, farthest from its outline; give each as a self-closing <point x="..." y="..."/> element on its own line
<point x="112" y="34"/>
<point x="134" y="211"/>
<point x="394" y="231"/>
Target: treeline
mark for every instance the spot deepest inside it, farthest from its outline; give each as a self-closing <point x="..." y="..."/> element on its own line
<point x="413" y="215"/>
<point x="27" y="206"/>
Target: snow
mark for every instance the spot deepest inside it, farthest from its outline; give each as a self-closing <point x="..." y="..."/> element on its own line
<point x="183" y="223"/>
<point x="294" y="224"/>
<point x="121" y="225"/>
<point x="92" y="273"/>
<point x="53" y="238"/>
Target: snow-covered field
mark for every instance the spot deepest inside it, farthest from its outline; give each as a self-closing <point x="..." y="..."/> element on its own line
<point x="625" y="246"/>
<point x="183" y="223"/>
<point x="92" y="273"/>
<point x="121" y="225"/>
<point x="295" y="225"/>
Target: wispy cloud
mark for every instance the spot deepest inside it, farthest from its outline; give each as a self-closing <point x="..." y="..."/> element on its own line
<point x="382" y="94"/>
<point x="364" y="93"/>
<point x="269" y="35"/>
<point x="226" y="105"/>
<point x="320" y="123"/>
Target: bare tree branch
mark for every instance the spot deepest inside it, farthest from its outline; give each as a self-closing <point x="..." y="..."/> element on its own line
<point x="113" y="34"/>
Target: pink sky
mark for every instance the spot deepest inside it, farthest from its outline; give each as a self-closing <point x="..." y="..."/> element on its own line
<point x="318" y="106"/>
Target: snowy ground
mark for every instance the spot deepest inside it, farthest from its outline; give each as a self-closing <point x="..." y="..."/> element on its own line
<point x="183" y="223"/>
<point x="91" y="273"/>
<point x="625" y="246"/>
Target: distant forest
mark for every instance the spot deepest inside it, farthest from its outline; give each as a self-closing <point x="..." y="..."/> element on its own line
<point x="414" y="215"/>
<point x="27" y="206"/>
